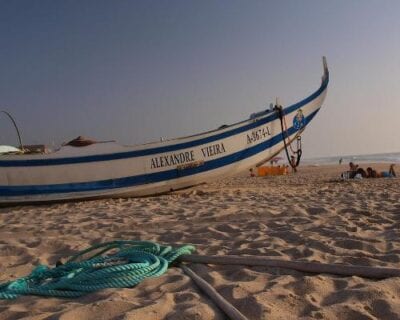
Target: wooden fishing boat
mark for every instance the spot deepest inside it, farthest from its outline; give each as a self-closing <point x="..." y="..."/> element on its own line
<point x="107" y="169"/>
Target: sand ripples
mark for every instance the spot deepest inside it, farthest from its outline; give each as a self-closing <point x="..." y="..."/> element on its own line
<point x="309" y="217"/>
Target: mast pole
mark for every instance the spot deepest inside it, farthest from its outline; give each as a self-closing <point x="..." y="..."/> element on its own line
<point x="16" y="128"/>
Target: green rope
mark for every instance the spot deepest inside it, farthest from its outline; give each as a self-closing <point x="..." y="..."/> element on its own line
<point x="116" y="264"/>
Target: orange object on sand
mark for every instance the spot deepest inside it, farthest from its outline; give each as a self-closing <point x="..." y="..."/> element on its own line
<point x="272" y="171"/>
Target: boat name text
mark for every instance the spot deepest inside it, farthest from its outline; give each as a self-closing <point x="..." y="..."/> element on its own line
<point x="172" y="159"/>
<point x="181" y="159"/>
<point x="213" y="150"/>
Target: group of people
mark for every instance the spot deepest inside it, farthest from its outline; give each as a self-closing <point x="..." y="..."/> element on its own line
<point x="355" y="172"/>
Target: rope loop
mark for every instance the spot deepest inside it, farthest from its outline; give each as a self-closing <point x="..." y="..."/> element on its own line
<point x="115" y="264"/>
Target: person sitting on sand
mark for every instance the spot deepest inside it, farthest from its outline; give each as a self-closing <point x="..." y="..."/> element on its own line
<point x="360" y="172"/>
<point x="371" y="173"/>
<point x="353" y="167"/>
<point x="352" y="171"/>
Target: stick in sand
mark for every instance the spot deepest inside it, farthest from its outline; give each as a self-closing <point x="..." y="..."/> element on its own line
<point x="220" y="301"/>
<point x="313" y="267"/>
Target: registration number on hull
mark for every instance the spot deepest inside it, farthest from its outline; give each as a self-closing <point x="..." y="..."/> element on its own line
<point x="258" y="134"/>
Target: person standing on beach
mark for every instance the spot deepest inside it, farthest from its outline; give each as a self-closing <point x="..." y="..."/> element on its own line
<point x="293" y="164"/>
<point x="251" y="172"/>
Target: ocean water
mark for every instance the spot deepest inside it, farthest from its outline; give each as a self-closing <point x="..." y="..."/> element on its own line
<point x="393" y="157"/>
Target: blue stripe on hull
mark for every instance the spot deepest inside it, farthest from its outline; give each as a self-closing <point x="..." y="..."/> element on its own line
<point x="15" y="191"/>
<point x="179" y="146"/>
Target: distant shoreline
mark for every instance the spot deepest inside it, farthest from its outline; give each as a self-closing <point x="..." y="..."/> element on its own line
<point x="393" y="157"/>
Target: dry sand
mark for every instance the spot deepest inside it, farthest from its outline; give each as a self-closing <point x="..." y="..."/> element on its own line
<point x="310" y="216"/>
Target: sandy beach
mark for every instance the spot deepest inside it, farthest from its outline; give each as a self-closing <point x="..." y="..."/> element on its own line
<point x="309" y="216"/>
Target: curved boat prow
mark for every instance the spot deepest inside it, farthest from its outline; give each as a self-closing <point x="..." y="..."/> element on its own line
<point x="325" y="77"/>
<point x="299" y="114"/>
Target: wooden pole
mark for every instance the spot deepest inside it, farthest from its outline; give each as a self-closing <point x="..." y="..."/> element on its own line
<point x="312" y="267"/>
<point x="220" y="301"/>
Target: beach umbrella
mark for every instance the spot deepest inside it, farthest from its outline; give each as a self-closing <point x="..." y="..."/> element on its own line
<point x="276" y="159"/>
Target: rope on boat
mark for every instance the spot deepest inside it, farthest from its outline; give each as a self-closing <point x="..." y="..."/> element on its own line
<point x="285" y="135"/>
<point x="116" y="264"/>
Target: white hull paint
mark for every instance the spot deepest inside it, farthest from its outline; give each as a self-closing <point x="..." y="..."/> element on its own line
<point x="111" y="170"/>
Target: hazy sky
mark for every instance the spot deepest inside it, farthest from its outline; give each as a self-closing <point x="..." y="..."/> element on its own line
<point x="135" y="71"/>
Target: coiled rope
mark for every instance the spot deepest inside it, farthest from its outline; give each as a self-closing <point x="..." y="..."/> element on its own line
<point x="116" y="264"/>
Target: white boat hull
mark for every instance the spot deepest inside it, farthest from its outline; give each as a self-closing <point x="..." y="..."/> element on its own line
<point x="112" y="170"/>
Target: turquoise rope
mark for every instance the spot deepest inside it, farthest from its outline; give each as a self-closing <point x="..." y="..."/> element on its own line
<point x="116" y="264"/>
